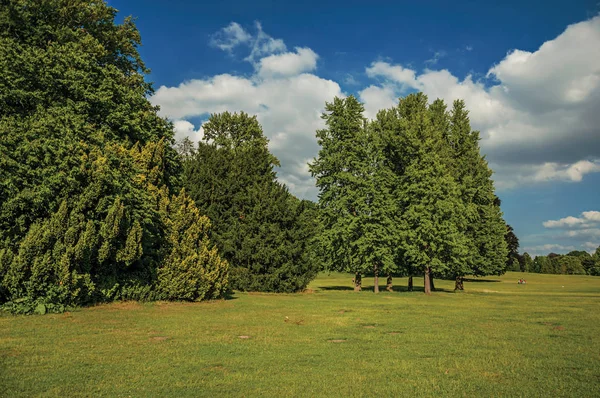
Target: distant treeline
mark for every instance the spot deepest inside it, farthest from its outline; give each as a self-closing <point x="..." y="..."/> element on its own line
<point x="573" y="263"/>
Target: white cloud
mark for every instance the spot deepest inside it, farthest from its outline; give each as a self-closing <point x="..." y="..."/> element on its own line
<point x="393" y="73"/>
<point x="539" y="119"/>
<point x="587" y="219"/>
<point x="230" y="37"/>
<point x="262" y="44"/>
<point x="437" y="55"/>
<point x="376" y="98"/>
<point x="591" y="246"/>
<point x="288" y="64"/>
<point x="183" y="129"/>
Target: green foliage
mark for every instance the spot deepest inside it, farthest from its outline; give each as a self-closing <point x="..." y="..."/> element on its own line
<point x="526" y="263"/>
<point x="86" y="163"/>
<point x="356" y="208"/>
<point x="192" y="270"/>
<point x="485" y="227"/>
<point x="260" y="228"/>
<point x="433" y="217"/>
<point x="513" y="245"/>
<point x="411" y="189"/>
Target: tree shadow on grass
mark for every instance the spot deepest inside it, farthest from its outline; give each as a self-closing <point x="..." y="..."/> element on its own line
<point x="230" y="296"/>
<point x="382" y="289"/>
<point x="480" y="280"/>
<point x="336" y="288"/>
<point x="404" y="289"/>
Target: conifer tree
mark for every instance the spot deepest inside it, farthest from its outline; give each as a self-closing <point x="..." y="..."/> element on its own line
<point x="261" y="229"/>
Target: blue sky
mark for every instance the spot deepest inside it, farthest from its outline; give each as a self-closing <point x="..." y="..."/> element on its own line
<point x="529" y="72"/>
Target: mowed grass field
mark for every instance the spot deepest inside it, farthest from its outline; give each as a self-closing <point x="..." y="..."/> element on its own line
<point x="497" y="338"/>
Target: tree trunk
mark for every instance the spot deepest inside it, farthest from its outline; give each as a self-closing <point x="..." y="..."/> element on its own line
<point x="431" y="283"/>
<point x="459" y="285"/>
<point x="426" y="281"/>
<point x="410" y="284"/>
<point x="389" y="286"/>
<point x="357" y="282"/>
<point x="376" y="282"/>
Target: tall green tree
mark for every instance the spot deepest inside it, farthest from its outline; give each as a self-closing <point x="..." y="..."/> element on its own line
<point x="432" y="218"/>
<point x="512" y="242"/>
<point x="594" y="267"/>
<point x="526" y="263"/>
<point x="432" y="214"/>
<point x="485" y="227"/>
<point x="261" y="229"/>
<point x="84" y="157"/>
<point x="355" y="203"/>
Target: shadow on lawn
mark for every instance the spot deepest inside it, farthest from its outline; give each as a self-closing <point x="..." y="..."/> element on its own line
<point x="382" y="289"/>
<point x="481" y="280"/>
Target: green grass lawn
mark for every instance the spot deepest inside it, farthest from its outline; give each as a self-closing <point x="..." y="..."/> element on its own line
<point x="496" y="339"/>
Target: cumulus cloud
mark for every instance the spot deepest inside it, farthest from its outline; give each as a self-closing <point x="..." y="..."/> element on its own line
<point x="184" y="129"/>
<point x="586" y="219"/>
<point x="288" y="64"/>
<point x="376" y="98"/>
<point x="572" y="233"/>
<point x="393" y="73"/>
<point x="537" y="111"/>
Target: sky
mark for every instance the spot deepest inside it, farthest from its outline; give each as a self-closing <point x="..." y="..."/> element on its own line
<point x="529" y="73"/>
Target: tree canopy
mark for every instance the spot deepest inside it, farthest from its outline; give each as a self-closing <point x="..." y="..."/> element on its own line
<point x="260" y="228"/>
<point x="87" y="170"/>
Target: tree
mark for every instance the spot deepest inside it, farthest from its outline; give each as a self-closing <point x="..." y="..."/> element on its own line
<point x="526" y="263"/>
<point x="571" y="265"/>
<point x="594" y="267"/>
<point x="513" y="247"/>
<point x="485" y="227"/>
<point x="260" y="228"/>
<point x="85" y="160"/>
<point x="355" y="203"/>
<point x="432" y="218"/>
<point x="432" y="213"/>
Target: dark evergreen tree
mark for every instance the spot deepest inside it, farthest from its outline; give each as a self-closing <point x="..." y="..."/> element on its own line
<point x="260" y="228"/>
<point x="512" y="242"/>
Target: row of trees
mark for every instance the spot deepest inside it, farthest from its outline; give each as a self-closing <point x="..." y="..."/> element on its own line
<point x="406" y="193"/>
<point x="573" y="263"/>
<point x="96" y="204"/>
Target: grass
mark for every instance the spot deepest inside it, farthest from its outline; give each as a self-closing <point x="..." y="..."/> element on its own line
<point x="496" y="339"/>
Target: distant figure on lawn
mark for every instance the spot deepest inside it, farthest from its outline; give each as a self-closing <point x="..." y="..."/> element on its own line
<point x="522" y="281"/>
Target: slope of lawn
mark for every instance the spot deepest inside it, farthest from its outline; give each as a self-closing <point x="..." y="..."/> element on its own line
<point x="497" y="338"/>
